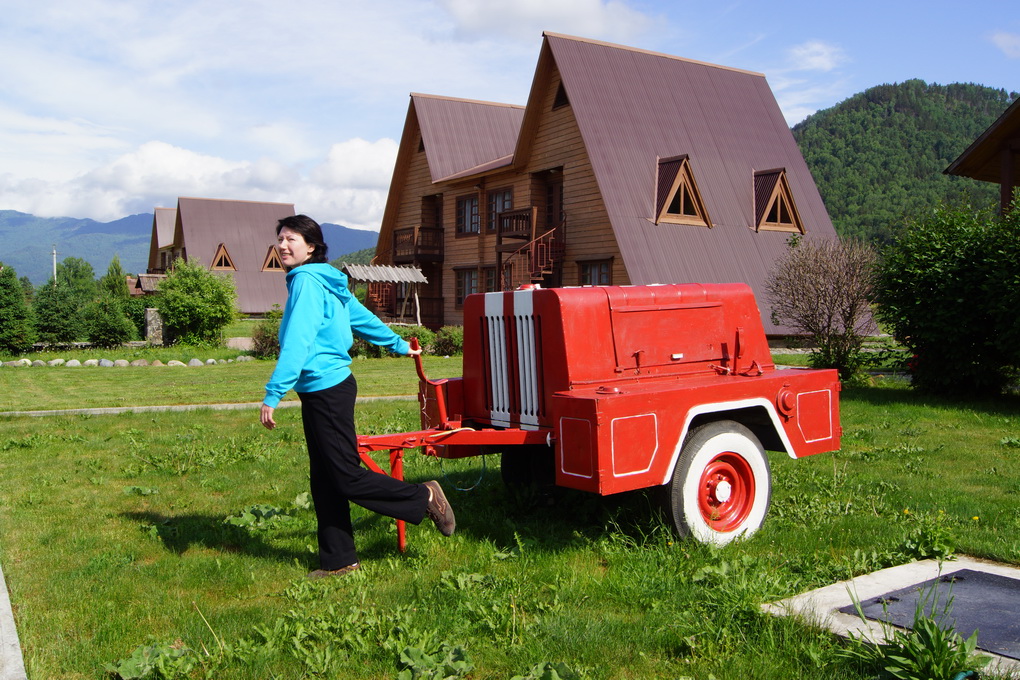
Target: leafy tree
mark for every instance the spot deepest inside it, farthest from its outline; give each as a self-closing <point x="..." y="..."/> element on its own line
<point x="57" y="317"/>
<point x="106" y="324"/>
<point x="17" y="332"/>
<point x="824" y="288"/>
<point x="134" y="310"/>
<point x="26" y="285"/>
<point x="948" y="289"/>
<point x="79" y="278"/>
<point x="115" y="281"/>
<point x="195" y="303"/>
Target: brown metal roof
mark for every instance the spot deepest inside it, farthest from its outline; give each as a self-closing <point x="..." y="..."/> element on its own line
<point x="383" y="273"/>
<point x="983" y="159"/>
<point x="246" y="229"/>
<point x="634" y="107"/>
<point x="163" y="221"/>
<point x="148" y="283"/>
<point x="462" y="134"/>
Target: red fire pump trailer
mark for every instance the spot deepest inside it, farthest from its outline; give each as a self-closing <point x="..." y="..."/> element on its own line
<point x="616" y="388"/>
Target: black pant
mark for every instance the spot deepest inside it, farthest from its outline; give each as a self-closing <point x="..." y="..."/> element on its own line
<point x="338" y="478"/>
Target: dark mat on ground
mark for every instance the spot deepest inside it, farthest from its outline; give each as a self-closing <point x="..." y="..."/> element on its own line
<point x="988" y="603"/>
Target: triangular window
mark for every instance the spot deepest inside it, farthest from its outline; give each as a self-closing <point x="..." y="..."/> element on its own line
<point x="272" y="262"/>
<point x="561" y="99"/>
<point x="222" y="261"/>
<point x="774" y="209"/>
<point x="677" y="199"/>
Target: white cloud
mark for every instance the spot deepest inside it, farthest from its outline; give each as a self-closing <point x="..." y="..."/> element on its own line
<point x="1009" y="43"/>
<point x="524" y="19"/>
<point x="349" y="187"/>
<point x="359" y="164"/>
<point x="815" y="55"/>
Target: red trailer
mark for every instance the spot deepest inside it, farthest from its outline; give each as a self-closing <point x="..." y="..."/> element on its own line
<point x="614" y="388"/>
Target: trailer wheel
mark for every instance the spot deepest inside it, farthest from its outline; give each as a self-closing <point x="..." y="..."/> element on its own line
<point x="721" y="487"/>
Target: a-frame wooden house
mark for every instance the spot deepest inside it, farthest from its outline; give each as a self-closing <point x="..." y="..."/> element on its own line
<point x="625" y="167"/>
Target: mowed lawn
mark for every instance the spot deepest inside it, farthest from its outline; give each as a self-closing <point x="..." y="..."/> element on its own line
<point x="55" y="388"/>
<point x="188" y="535"/>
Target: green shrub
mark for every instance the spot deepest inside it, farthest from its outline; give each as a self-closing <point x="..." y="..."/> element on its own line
<point x="449" y="341"/>
<point x="948" y="290"/>
<point x="426" y="338"/>
<point x="363" y="348"/>
<point x="195" y="303"/>
<point x="265" y="337"/>
<point x="106" y="324"/>
<point x="17" y="332"/>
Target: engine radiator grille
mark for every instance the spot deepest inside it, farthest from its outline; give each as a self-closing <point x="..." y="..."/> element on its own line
<point x="514" y="392"/>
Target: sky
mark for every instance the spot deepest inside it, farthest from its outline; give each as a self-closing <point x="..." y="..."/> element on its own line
<point x="110" y="108"/>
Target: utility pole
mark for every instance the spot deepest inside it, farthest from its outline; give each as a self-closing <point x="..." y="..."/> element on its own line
<point x="54" y="265"/>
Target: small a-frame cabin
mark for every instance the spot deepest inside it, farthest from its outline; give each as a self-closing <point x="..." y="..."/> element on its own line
<point x="235" y="238"/>
<point x="625" y="167"/>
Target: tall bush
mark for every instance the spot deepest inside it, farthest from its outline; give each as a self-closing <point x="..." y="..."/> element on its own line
<point x="17" y="331"/>
<point x="948" y="289"/>
<point x="106" y="324"/>
<point x="449" y="341"/>
<point x="195" y="303"/>
<point x="824" y="288"/>
<point x="57" y="317"/>
<point x="265" y="337"/>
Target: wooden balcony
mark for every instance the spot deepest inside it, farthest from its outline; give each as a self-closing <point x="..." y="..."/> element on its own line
<point x="518" y="224"/>
<point x="417" y="244"/>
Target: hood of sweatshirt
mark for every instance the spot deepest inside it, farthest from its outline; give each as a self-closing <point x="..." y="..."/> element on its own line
<point x="334" y="280"/>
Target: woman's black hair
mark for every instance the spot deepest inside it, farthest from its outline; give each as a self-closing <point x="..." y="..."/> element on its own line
<point x="310" y="231"/>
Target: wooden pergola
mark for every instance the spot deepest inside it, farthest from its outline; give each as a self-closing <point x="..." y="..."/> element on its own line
<point x="388" y="274"/>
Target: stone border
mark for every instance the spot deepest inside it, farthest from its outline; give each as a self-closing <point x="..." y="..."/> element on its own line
<point x="119" y="363"/>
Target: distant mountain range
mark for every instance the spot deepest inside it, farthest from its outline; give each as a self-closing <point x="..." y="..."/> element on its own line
<point x="28" y="242"/>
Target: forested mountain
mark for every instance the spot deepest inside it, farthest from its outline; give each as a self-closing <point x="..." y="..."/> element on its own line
<point x="879" y="155"/>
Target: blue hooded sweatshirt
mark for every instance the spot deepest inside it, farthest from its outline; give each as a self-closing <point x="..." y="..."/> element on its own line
<point x="317" y="331"/>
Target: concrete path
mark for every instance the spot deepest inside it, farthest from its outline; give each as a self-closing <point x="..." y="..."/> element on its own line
<point x="12" y="666"/>
<point x="114" y="410"/>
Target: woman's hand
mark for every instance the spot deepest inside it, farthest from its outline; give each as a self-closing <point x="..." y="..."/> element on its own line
<point x="413" y="352"/>
<point x="266" y="417"/>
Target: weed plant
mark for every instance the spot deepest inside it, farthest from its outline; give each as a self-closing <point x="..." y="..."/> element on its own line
<point x="175" y="545"/>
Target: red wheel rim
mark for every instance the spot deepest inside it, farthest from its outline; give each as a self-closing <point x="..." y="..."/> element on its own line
<point x="726" y="492"/>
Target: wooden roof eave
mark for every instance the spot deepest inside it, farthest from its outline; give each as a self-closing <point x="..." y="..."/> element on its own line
<point x="481" y="171"/>
<point x="405" y="151"/>
<point x="981" y="159"/>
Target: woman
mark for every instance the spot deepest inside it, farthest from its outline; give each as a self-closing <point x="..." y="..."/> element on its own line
<point x="316" y="333"/>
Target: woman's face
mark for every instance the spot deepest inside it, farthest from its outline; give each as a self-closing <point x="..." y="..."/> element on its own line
<point x="293" y="249"/>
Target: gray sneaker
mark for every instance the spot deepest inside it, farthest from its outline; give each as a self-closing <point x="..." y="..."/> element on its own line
<point x="439" y="510"/>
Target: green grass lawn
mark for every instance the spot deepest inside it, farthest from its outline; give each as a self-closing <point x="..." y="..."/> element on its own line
<point x="52" y="388"/>
<point x="144" y="530"/>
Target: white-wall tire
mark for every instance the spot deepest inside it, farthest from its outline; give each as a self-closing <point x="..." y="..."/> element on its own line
<point x="721" y="487"/>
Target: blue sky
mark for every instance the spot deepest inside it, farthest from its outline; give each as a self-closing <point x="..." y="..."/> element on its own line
<point x="109" y="108"/>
